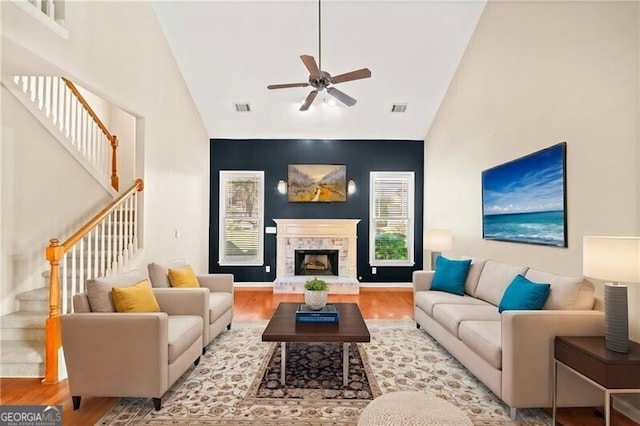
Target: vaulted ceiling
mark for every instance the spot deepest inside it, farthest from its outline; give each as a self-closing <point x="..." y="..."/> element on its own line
<point x="229" y="51"/>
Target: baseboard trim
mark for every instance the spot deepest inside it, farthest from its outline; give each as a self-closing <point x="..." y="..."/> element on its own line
<point x="363" y="286"/>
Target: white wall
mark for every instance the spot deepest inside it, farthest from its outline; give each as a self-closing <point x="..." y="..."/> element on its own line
<point x="118" y="51"/>
<point x="46" y="194"/>
<point x="533" y="75"/>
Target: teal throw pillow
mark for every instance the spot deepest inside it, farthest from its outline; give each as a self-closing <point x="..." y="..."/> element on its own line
<point x="450" y="275"/>
<point x="523" y="294"/>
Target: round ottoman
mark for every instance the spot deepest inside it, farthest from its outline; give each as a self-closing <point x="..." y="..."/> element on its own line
<point x="411" y="408"/>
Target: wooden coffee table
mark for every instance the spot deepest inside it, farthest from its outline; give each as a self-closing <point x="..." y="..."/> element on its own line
<point x="283" y="328"/>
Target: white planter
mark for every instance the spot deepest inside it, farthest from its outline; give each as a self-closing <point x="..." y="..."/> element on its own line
<point x="316" y="300"/>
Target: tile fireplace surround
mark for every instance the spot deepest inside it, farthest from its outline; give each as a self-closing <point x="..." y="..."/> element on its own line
<point x="305" y="234"/>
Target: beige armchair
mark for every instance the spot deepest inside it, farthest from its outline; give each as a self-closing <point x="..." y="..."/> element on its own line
<point x="220" y="296"/>
<point x="108" y="353"/>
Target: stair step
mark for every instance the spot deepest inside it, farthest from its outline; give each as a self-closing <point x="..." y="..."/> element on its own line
<point x="24" y="358"/>
<point x="22" y="319"/>
<point x="34" y="300"/>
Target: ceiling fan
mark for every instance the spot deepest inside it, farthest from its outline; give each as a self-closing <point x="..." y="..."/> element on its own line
<point x="321" y="80"/>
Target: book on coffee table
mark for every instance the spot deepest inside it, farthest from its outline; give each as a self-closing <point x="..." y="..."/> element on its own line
<point x="328" y="314"/>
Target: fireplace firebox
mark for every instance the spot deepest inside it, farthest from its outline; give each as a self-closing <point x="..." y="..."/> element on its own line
<point x="316" y="262"/>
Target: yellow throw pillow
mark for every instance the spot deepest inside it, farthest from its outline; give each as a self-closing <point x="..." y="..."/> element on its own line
<point x="183" y="277"/>
<point x="137" y="298"/>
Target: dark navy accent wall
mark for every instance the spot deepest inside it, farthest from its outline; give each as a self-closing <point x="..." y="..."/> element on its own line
<point x="360" y="157"/>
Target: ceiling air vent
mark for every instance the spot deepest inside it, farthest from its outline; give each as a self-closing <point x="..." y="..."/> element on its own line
<point x="398" y="107"/>
<point x="243" y="107"/>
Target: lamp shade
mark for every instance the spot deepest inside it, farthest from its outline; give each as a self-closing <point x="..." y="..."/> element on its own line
<point x="438" y="240"/>
<point x="612" y="258"/>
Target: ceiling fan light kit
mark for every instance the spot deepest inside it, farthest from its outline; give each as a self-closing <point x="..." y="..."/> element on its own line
<point x="321" y="80"/>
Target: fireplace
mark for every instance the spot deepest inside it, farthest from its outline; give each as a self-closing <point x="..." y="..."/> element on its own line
<point x="316" y="262"/>
<point x="331" y="244"/>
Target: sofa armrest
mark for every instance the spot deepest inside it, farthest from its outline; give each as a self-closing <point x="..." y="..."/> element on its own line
<point x="422" y="280"/>
<point x="528" y="346"/>
<point x="184" y="301"/>
<point x="115" y="354"/>
<point x="217" y="282"/>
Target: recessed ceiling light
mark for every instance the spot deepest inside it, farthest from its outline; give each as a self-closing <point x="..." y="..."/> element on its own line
<point x="243" y="107"/>
<point x="398" y="107"/>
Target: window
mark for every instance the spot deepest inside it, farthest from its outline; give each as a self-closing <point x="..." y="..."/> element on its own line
<point x="241" y="218"/>
<point x="391" y="219"/>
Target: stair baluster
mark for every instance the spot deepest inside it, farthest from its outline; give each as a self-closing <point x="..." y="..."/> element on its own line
<point x="62" y="103"/>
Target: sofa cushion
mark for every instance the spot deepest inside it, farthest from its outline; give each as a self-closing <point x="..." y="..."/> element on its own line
<point x="566" y="292"/>
<point x="183" y="277"/>
<point x="219" y="303"/>
<point x="426" y="300"/>
<point x="494" y="280"/>
<point x="99" y="289"/>
<point x="182" y="331"/>
<point x="485" y="339"/>
<point x="523" y="294"/>
<point x="450" y="275"/>
<point x="450" y="316"/>
<point x="473" y="276"/>
<point x="158" y="272"/>
<point x="136" y="298"/>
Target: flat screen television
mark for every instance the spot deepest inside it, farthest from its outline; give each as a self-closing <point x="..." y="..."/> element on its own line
<point x="317" y="183"/>
<point x="524" y="200"/>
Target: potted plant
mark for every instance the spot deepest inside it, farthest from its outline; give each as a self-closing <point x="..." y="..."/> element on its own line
<point x="315" y="293"/>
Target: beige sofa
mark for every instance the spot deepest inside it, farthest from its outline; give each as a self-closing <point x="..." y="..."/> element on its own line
<point x="511" y="352"/>
<point x="218" y="290"/>
<point x="130" y="354"/>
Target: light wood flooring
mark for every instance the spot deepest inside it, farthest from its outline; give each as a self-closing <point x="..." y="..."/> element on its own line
<point x="256" y="304"/>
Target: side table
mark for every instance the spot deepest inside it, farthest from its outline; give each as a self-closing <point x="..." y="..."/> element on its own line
<point x="610" y="371"/>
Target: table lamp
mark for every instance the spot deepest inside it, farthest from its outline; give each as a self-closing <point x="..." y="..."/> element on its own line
<point x="438" y="240"/>
<point x="616" y="259"/>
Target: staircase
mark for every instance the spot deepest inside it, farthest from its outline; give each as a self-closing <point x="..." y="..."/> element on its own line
<point x="103" y="246"/>
<point x="22" y="336"/>
<point x="22" y="333"/>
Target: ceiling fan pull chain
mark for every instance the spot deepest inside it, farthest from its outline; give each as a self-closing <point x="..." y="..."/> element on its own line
<point x="319" y="35"/>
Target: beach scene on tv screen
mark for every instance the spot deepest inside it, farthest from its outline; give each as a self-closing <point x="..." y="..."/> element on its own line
<point x="523" y="200"/>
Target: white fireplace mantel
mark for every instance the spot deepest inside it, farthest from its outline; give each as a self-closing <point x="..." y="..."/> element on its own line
<point x="292" y="233"/>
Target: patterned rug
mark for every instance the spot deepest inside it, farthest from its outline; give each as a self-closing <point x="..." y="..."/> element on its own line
<point x="314" y="371"/>
<point x="223" y="388"/>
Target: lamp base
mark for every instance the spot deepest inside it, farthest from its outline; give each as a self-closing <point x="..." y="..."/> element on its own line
<point x="434" y="257"/>
<point x="616" y="318"/>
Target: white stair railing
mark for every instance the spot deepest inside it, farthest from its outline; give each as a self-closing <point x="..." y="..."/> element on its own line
<point x="103" y="246"/>
<point x="61" y="102"/>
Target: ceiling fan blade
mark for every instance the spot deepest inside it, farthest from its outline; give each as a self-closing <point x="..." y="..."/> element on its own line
<point x="341" y="96"/>
<point x="311" y="65"/>
<point x="307" y="102"/>
<point x="285" y="86"/>
<point x="353" y="75"/>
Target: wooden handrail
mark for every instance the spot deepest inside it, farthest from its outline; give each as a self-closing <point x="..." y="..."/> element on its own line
<point x="112" y="138"/>
<point x="90" y="110"/>
<point x="84" y="230"/>
<point x="54" y="254"/>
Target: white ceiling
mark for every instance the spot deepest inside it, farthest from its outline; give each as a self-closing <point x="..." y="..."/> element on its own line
<point x="229" y="51"/>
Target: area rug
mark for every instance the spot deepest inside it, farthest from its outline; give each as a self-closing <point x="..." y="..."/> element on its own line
<point x="314" y="371"/>
<point x="222" y="389"/>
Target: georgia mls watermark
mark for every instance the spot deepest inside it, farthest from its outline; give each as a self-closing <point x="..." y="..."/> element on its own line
<point x="30" y="415"/>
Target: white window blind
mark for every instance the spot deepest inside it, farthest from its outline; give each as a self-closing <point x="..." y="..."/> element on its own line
<point x="391" y="219"/>
<point x="241" y="218"/>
